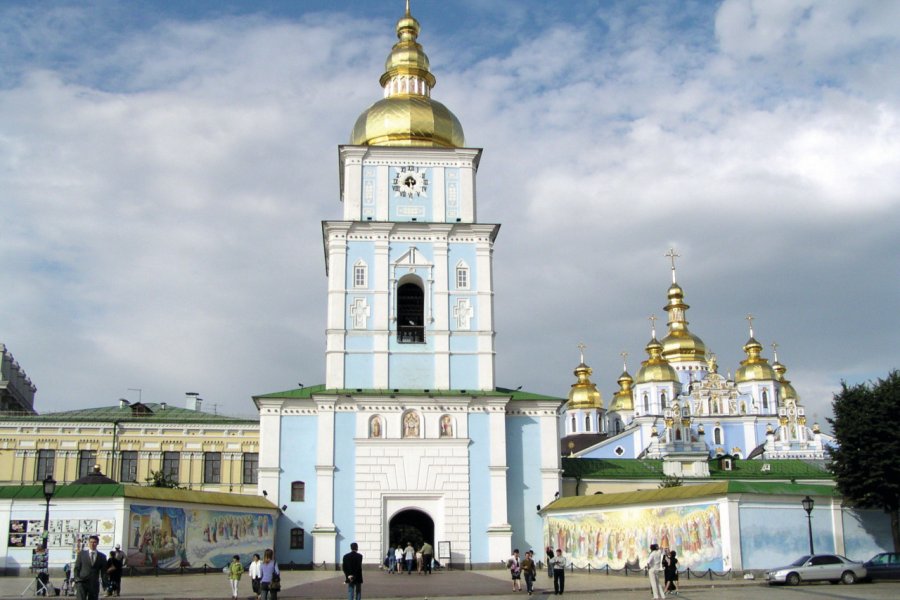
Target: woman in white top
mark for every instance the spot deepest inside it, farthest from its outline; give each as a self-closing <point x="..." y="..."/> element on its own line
<point x="255" y="575"/>
<point x="654" y="566"/>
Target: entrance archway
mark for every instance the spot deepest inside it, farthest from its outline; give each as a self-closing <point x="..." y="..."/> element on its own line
<point x="413" y="526"/>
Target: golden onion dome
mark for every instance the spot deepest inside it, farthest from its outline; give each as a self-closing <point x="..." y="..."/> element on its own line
<point x="407" y="116"/>
<point x="754" y="367"/>
<point x="623" y="399"/>
<point x="655" y="368"/>
<point x="584" y="393"/>
<point x="680" y="345"/>
<point x="787" y="390"/>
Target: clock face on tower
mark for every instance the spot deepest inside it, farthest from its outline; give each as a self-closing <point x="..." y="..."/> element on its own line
<point x="410" y="182"/>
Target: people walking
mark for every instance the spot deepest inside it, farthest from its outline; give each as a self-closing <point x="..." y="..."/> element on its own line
<point x="235" y="571"/>
<point x="269" y="576"/>
<point x="90" y="564"/>
<point x="514" y="564"/>
<point x="529" y="571"/>
<point x="114" y="565"/>
<point x="255" y="575"/>
<point x="427" y="556"/>
<point x="670" y="573"/>
<point x="398" y="559"/>
<point x="558" y="563"/>
<point x="549" y="552"/>
<point x="409" y="554"/>
<point x="390" y="560"/>
<point x="654" y="566"/>
<point x="351" y="565"/>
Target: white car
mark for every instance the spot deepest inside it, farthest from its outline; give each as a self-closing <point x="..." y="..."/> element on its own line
<point x="818" y="567"/>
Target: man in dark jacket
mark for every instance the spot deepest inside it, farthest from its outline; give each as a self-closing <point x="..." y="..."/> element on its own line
<point x="352" y="567"/>
<point x="89" y="565"/>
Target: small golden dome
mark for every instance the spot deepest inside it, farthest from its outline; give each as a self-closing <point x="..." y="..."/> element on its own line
<point x="655" y="368"/>
<point x="754" y="367"/>
<point x="680" y="345"/>
<point x="407" y="116"/>
<point x="787" y="390"/>
<point x="623" y="399"/>
<point x="584" y="393"/>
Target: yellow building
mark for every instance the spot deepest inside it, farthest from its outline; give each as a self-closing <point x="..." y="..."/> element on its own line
<point x="131" y="442"/>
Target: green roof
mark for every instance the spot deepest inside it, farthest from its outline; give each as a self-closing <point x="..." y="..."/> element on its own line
<point x="132" y="413"/>
<point x="308" y="392"/>
<point x="690" y="492"/>
<point x="634" y="468"/>
<point x="118" y="490"/>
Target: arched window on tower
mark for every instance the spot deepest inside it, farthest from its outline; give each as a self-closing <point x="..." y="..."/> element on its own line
<point x="646" y="402"/>
<point x="587" y="422"/>
<point x="662" y="400"/>
<point x="574" y="425"/>
<point x="410" y="314"/>
<point x="360" y="274"/>
<point x="765" y="400"/>
<point x="462" y="275"/>
<point x="717" y="435"/>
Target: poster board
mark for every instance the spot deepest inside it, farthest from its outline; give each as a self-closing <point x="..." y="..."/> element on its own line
<point x="443" y="553"/>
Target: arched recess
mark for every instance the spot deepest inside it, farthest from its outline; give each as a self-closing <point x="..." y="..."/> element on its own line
<point x="411" y="525"/>
<point x="410" y="310"/>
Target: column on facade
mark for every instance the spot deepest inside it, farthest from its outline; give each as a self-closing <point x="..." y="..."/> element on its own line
<point x="335" y="359"/>
<point x="499" y="530"/>
<point x="441" y="326"/>
<point x="381" y="323"/>
<point x="324" y="531"/>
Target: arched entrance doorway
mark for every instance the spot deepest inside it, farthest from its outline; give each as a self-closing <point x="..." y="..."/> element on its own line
<point x="413" y="526"/>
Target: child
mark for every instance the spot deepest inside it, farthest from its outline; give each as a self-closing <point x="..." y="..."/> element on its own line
<point x="235" y="570"/>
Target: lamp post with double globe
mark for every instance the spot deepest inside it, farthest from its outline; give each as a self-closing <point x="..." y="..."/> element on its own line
<point x="808" y="504"/>
<point x="49" y="490"/>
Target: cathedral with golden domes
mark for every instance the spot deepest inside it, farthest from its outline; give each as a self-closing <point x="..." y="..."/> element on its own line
<point x="681" y="409"/>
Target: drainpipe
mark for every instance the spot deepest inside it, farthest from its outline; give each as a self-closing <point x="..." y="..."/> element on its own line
<point x="112" y="468"/>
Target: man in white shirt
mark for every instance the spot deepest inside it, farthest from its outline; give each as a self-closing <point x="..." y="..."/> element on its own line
<point x="558" y="564"/>
<point x="654" y="567"/>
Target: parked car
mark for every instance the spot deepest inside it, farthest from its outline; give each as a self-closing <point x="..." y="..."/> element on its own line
<point x="818" y="567"/>
<point x="885" y="565"/>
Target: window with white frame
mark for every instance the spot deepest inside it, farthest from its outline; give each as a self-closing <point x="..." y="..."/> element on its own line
<point x="360" y="275"/>
<point x="462" y="276"/>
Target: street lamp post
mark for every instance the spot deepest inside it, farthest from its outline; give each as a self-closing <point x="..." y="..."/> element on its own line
<point x="49" y="490"/>
<point x="808" y="504"/>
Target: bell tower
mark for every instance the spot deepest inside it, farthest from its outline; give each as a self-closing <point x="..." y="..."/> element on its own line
<point x="410" y="274"/>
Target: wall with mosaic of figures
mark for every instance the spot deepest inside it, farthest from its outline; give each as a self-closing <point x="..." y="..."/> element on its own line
<point x="172" y="537"/>
<point x="621" y="536"/>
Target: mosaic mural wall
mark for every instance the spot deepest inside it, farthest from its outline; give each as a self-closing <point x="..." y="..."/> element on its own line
<point x="171" y="537"/>
<point x="623" y="536"/>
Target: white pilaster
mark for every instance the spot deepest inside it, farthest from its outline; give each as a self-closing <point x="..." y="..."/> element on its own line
<point x="324" y="532"/>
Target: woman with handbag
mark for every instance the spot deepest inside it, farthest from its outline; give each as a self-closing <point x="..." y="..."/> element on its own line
<point x="270" y="576"/>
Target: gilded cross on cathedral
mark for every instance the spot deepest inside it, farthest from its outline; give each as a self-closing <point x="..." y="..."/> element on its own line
<point x="775" y="350"/>
<point x="652" y="319"/>
<point x="672" y="255"/>
<point x="624" y="356"/>
<point x="750" y="318"/>
<point x="581" y="348"/>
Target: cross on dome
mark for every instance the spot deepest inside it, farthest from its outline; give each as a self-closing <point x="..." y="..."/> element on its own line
<point x="775" y="350"/>
<point x="652" y="319"/>
<point x="672" y="255"/>
<point x="750" y="318"/>
<point x="581" y="348"/>
<point x="624" y="356"/>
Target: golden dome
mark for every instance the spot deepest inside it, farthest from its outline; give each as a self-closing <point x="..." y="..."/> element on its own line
<point x="407" y="116"/>
<point x="624" y="398"/>
<point x="584" y="393"/>
<point x="787" y="390"/>
<point x="655" y="368"/>
<point x="680" y="345"/>
<point x="754" y="367"/>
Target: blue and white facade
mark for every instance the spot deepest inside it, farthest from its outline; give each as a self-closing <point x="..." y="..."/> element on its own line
<point x="409" y="420"/>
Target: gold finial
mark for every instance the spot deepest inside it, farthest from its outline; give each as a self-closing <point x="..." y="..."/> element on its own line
<point x="671" y="254"/>
<point x="407" y="8"/>
<point x="624" y="356"/>
<point x="750" y="318"/>
<point x="652" y="319"/>
<point x="581" y="348"/>
<point x="775" y="350"/>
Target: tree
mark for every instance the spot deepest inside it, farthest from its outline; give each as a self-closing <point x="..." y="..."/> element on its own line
<point x="865" y="462"/>
<point x="670" y="481"/>
<point x="160" y="479"/>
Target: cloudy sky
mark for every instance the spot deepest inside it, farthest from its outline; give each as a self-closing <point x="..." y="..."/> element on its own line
<point x="165" y="167"/>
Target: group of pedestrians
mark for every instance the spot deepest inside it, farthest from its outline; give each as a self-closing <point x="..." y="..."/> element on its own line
<point x="94" y="571"/>
<point x="666" y="561"/>
<point x="265" y="578"/>
<point x="526" y="568"/>
<point x="400" y="558"/>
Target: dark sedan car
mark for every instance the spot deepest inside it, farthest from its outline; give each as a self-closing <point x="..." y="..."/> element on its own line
<point x="883" y="566"/>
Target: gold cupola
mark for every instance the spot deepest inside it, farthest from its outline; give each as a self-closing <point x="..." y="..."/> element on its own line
<point x="754" y="367"/>
<point x="656" y="367"/>
<point x="680" y="345"/>
<point x="584" y="393"/>
<point x="787" y="390"/>
<point x="407" y="116"/>
<point x="623" y="399"/>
